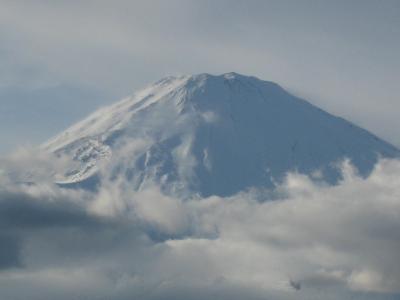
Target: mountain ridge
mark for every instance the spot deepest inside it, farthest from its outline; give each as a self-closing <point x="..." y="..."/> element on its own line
<point x="214" y="135"/>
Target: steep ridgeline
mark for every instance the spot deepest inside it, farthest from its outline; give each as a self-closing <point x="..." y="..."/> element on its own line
<point x="212" y="135"/>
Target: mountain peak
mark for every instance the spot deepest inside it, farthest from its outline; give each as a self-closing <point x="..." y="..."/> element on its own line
<point x="213" y="135"/>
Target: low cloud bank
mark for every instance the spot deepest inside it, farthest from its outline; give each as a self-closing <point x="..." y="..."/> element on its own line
<point x="312" y="241"/>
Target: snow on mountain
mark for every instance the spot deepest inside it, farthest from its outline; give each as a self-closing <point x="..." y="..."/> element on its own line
<point x="213" y="135"/>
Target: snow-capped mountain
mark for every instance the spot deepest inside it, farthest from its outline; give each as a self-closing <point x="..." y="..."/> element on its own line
<point x="213" y="135"/>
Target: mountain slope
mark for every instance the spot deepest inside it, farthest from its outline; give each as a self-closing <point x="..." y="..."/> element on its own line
<point x="213" y="135"/>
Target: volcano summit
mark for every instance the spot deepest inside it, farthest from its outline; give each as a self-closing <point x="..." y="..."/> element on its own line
<point x="213" y="135"/>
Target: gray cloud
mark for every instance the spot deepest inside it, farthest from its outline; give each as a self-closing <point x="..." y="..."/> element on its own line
<point x="9" y="252"/>
<point x="21" y="211"/>
<point x="336" y="242"/>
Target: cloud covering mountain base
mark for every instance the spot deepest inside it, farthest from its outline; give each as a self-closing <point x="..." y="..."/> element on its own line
<point x="313" y="241"/>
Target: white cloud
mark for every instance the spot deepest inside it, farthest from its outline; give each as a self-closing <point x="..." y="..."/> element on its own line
<point x="167" y="214"/>
<point x="341" y="241"/>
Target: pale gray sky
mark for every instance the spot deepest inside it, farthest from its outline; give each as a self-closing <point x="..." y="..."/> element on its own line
<point x="59" y="60"/>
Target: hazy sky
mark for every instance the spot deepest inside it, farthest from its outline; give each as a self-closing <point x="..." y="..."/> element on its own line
<point x="61" y="59"/>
